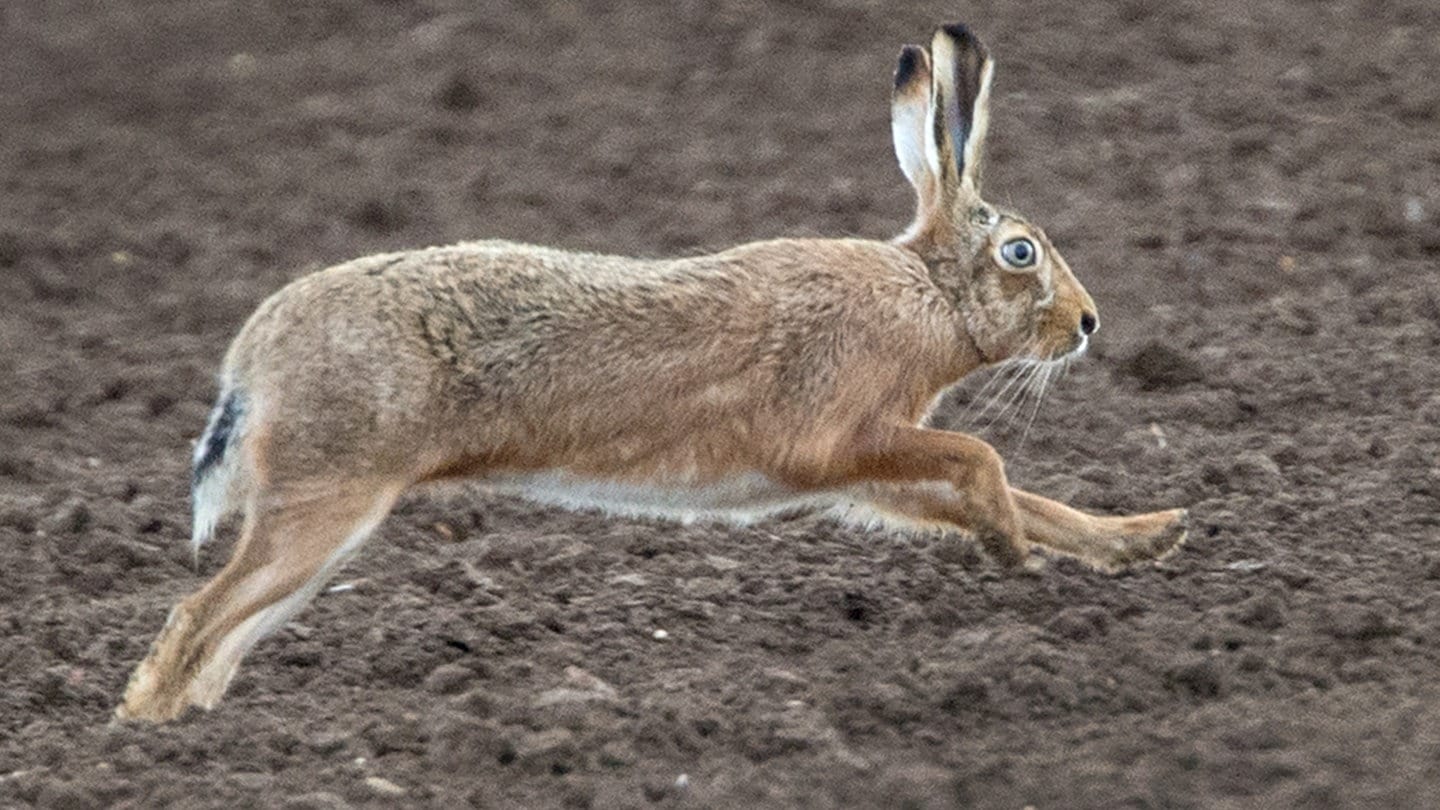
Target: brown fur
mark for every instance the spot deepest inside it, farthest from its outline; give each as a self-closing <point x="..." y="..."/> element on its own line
<point x="772" y="374"/>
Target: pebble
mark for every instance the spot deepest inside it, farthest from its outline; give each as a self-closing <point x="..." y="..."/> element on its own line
<point x="71" y="517"/>
<point x="250" y="780"/>
<point x="720" y="563"/>
<point x="449" y="679"/>
<point x="319" y="800"/>
<point x="384" y="786"/>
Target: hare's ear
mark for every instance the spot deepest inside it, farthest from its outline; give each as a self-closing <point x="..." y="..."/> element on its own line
<point x="909" y="122"/>
<point x="960" y="103"/>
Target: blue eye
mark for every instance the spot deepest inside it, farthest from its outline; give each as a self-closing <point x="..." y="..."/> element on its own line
<point x="1019" y="252"/>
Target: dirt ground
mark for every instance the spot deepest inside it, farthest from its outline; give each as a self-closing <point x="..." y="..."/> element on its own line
<point x="1250" y="190"/>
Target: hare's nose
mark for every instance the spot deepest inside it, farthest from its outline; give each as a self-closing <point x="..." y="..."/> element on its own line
<point x="1088" y="323"/>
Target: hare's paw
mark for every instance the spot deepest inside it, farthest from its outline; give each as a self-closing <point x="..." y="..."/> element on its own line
<point x="1151" y="537"/>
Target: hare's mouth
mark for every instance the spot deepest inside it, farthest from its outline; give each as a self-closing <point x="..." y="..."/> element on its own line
<point x="1078" y="346"/>
<point x="1082" y="344"/>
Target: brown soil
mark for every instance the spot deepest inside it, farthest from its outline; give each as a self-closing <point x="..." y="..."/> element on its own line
<point x="1249" y="189"/>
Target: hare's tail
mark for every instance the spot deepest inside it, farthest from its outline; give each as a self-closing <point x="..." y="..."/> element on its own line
<point x="212" y="478"/>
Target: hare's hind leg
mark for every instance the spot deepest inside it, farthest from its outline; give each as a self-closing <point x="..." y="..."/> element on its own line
<point x="1104" y="542"/>
<point x="288" y="547"/>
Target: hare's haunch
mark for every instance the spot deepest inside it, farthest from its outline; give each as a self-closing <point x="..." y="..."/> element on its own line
<point x="773" y="375"/>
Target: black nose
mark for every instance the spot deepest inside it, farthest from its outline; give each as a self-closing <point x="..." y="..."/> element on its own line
<point x="1088" y="324"/>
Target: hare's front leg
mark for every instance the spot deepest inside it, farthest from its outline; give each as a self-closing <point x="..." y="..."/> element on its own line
<point x="939" y="478"/>
<point x="1107" y="543"/>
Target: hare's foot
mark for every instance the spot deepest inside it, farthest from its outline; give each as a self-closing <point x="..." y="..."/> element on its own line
<point x="1152" y="536"/>
<point x="157" y="689"/>
<point x="1108" y="543"/>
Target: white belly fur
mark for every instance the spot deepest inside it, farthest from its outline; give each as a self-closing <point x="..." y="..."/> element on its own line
<point x="738" y="499"/>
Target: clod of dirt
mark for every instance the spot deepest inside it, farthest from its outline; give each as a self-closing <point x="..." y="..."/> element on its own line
<point x="1255" y="471"/>
<point x="1079" y="623"/>
<point x="1158" y="366"/>
<point x="1201" y="679"/>
<point x="968" y="693"/>
<point x="1359" y="623"/>
<point x="10" y="249"/>
<point x="551" y="749"/>
<point x="449" y="679"/>
<point x="404" y="735"/>
<point x="459" y="94"/>
<point x="460" y="742"/>
<point x="1263" y="612"/>
<point x="388" y="213"/>
<point x="858" y="607"/>
<point x="61" y="795"/>
<point x="71" y="517"/>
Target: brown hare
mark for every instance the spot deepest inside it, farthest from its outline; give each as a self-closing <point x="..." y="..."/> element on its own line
<point x="771" y="375"/>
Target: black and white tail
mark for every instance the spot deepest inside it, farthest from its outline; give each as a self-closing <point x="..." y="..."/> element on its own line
<point x="216" y="462"/>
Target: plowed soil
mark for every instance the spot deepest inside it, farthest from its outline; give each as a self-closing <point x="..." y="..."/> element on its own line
<point x="1250" y="190"/>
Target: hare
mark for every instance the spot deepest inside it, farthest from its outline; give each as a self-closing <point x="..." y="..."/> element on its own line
<point x="794" y="372"/>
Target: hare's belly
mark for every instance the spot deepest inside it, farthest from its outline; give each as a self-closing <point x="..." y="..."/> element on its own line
<point x="739" y="498"/>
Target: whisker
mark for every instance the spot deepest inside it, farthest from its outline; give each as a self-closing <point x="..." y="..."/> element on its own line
<point x="1013" y="376"/>
<point x="1019" y="394"/>
<point x="1051" y="372"/>
<point x="1000" y="372"/>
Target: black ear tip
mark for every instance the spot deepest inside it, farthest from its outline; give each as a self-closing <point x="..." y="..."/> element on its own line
<point x="911" y="60"/>
<point x="964" y="38"/>
<point x="958" y="30"/>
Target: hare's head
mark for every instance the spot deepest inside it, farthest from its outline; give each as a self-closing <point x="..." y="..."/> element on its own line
<point x="1017" y="295"/>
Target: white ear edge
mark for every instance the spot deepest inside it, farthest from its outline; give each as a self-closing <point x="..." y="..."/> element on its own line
<point x="910" y="118"/>
<point x="979" y="124"/>
<point x="907" y="127"/>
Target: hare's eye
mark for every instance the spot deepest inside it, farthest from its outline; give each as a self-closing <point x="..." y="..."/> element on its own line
<point x="1019" y="252"/>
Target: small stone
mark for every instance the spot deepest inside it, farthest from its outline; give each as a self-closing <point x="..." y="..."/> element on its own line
<point x="1253" y="471"/>
<point x="461" y="741"/>
<point x="552" y="749"/>
<point x="785" y="676"/>
<point x="384" y="786"/>
<point x="660" y="635"/>
<point x="720" y="563"/>
<point x="250" y="780"/>
<point x="617" y="754"/>
<point x="319" y="800"/>
<point x="329" y="742"/>
<point x="580" y="687"/>
<point x="476" y="702"/>
<point x="449" y="679"/>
